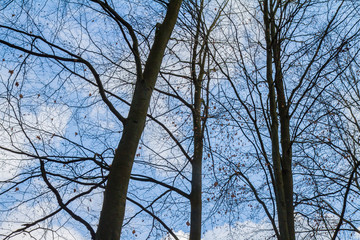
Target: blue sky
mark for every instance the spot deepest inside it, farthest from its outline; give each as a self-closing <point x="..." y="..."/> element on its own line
<point x="52" y="109"/>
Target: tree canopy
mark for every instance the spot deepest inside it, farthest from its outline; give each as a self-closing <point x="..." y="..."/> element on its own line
<point x="171" y="119"/>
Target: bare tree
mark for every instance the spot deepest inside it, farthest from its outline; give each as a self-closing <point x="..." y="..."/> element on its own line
<point x="51" y="48"/>
<point x="340" y="135"/>
<point x="193" y="73"/>
<point x="252" y="104"/>
<point x="113" y="211"/>
<point x="282" y="66"/>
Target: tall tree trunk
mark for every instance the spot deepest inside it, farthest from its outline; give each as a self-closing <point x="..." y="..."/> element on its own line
<point x="113" y="210"/>
<point x="282" y="162"/>
<point x="196" y="181"/>
<point x="286" y="146"/>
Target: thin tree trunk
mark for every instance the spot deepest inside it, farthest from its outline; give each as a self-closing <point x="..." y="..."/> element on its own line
<point x="286" y="160"/>
<point x="286" y="146"/>
<point x="283" y="185"/>
<point x="113" y="210"/>
<point x="196" y="181"/>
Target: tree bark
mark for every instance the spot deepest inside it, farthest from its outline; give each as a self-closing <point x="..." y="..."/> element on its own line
<point x="113" y="210"/>
<point x="282" y="162"/>
<point x="196" y="181"/>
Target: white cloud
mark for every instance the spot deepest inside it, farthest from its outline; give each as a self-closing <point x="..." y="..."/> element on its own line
<point x="250" y="230"/>
<point x="247" y="230"/>
<point x="180" y="234"/>
<point x="50" y="119"/>
<point x="25" y="213"/>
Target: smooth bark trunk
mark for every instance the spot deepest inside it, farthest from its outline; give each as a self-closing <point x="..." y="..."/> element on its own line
<point x="282" y="162"/>
<point x="196" y="181"/>
<point x="113" y="210"/>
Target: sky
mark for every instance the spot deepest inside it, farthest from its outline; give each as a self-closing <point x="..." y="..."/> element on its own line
<point x="60" y="109"/>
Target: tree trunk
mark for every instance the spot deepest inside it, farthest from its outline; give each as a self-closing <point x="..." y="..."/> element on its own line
<point x="113" y="210"/>
<point x="283" y="185"/>
<point x="196" y="181"/>
<point x="286" y="146"/>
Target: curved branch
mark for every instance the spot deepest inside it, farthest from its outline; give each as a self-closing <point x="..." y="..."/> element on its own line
<point x="154" y="216"/>
<point x="143" y="178"/>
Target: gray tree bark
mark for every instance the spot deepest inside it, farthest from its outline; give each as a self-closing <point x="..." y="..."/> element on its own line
<point x="113" y="210"/>
<point x="279" y="112"/>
